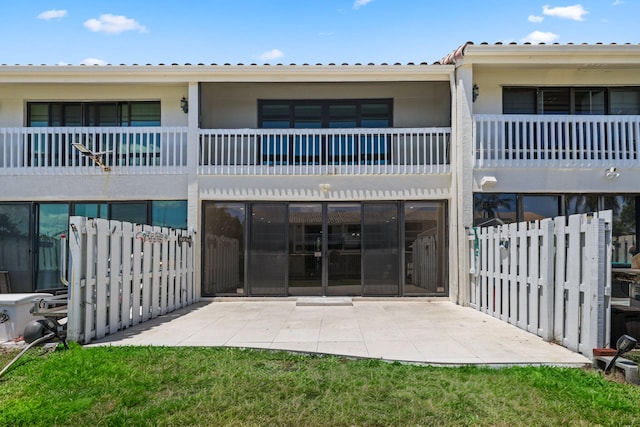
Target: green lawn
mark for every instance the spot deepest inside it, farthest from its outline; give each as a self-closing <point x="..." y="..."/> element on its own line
<point x="221" y="386"/>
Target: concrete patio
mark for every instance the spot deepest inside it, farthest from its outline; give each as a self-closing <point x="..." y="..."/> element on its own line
<point x="434" y="332"/>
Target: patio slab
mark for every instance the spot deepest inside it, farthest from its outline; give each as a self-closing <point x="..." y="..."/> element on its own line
<point x="436" y="332"/>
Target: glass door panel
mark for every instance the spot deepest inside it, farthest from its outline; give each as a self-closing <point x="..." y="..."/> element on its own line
<point x="380" y="249"/>
<point x="268" y="249"/>
<point x="343" y="249"/>
<point x="53" y="221"/>
<point x="425" y="248"/>
<point x="305" y="249"/>
<point x="223" y="248"/>
<point x="15" y="245"/>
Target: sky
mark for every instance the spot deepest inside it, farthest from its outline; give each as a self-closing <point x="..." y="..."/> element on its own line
<point x="60" y="32"/>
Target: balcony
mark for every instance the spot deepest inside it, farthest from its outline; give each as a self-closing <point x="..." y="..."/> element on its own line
<point x="128" y="151"/>
<point x="383" y="151"/>
<point x="556" y="141"/>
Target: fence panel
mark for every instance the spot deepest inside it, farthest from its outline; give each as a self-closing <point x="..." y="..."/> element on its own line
<point x="122" y="274"/>
<point x="550" y="277"/>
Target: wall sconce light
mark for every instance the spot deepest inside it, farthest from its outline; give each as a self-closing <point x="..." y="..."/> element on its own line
<point x="488" y="182"/>
<point x="612" y="172"/>
<point x="184" y="104"/>
<point x="475" y="90"/>
<point x="325" y="187"/>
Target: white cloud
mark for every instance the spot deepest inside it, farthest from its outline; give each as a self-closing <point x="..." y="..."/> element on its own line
<point x="617" y="3"/>
<point x="535" y="19"/>
<point x="113" y="24"/>
<point x="270" y="55"/>
<point x="52" y="14"/>
<point x="93" y="61"/>
<point x="540" y="37"/>
<point x="360" y="3"/>
<point x="575" y="12"/>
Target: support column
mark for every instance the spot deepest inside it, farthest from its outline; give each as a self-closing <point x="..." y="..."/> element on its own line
<point x="193" y="196"/>
<point x="464" y="175"/>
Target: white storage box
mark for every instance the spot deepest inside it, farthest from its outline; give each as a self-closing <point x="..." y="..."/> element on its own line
<point x="15" y="314"/>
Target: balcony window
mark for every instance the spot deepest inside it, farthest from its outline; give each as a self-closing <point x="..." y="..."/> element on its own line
<point x="625" y="101"/>
<point x="54" y="150"/>
<point x="590" y="101"/>
<point x="67" y="114"/>
<point x="568" y="100"/>
<point x="316" y="114"/>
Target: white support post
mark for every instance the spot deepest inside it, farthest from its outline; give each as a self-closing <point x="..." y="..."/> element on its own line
<point x="572" y="305"/>
<point x="523" y="272"/>
<point x="593" y="313"/>
<point x="165" y="272"/>
<point x="193" y="191"/>
<point x="115" y="282"/>
<point x="127" y="251"/>
<point x="77" y="242"/>
<point x="546" y="280"/>
<point x="102" y="285"/>
<point x="533" y="278"/>
<point x="559" y="280"/>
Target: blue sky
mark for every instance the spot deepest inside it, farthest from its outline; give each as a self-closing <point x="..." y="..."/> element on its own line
<point x="294" y="31"/>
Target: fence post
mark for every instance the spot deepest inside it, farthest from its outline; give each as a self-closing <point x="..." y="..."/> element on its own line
<point x="127" y="255"/>
<point x="559" y="282"/>
<point x="101" y="276"/>
<point x="116" y="286"/>
<point x="595" y="312"/>
<point x="76" y="290"/>
<point x="547" y="280"/>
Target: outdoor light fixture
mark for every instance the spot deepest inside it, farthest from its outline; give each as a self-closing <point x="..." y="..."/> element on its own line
<point x="474" y="92"/>
<point x="624" y="345"/>
<point x="184" y="104"/>
<point x="325" y="187"/>
<point x="488" y="181"/>
<point x="611" y="172"/>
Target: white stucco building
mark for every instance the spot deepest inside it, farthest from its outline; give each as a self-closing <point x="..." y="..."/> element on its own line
<point x="320" y="179"/>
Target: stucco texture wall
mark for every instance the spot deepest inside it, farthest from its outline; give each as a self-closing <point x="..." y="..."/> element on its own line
<point x="234" y="105"/>
<point x="14" y="98"/>
<point x="490" y="81"/>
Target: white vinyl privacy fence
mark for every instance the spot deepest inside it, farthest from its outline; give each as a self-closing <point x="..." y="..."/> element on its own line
<point x="122" y="274"/>
<point x="550" y="277"/>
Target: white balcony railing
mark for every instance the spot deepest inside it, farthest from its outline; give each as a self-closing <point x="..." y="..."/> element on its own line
<point x="324" y="151"/>
<point x="50" y="150"/>
<point x="512" y="140"/>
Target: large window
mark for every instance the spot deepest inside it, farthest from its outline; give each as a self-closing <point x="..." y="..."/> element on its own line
<point x="571" y="100"/>
<point x="307" y="114"/>
<point x="334" y="114"/>
<point x="130" y="113"/>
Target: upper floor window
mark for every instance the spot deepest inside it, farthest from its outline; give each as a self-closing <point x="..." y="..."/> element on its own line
<point x="66" y="114"/>
<point x="310" y="114"/>
<point x="571" y="100"/>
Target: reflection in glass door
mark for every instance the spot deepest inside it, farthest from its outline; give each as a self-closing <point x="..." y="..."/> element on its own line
<point x="15" y="245"/>
<point x="344" y="249"/>
<point x="305" y="249"/>
<point x="53" y="221"/>
<point x="267" y="249"/>
<point x="381" y="249"/>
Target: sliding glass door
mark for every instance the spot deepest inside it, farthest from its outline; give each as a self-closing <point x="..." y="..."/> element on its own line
<point x="325" y="249"/>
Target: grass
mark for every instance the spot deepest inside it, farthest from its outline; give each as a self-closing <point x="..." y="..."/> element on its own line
<point x="137" y="386"/>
